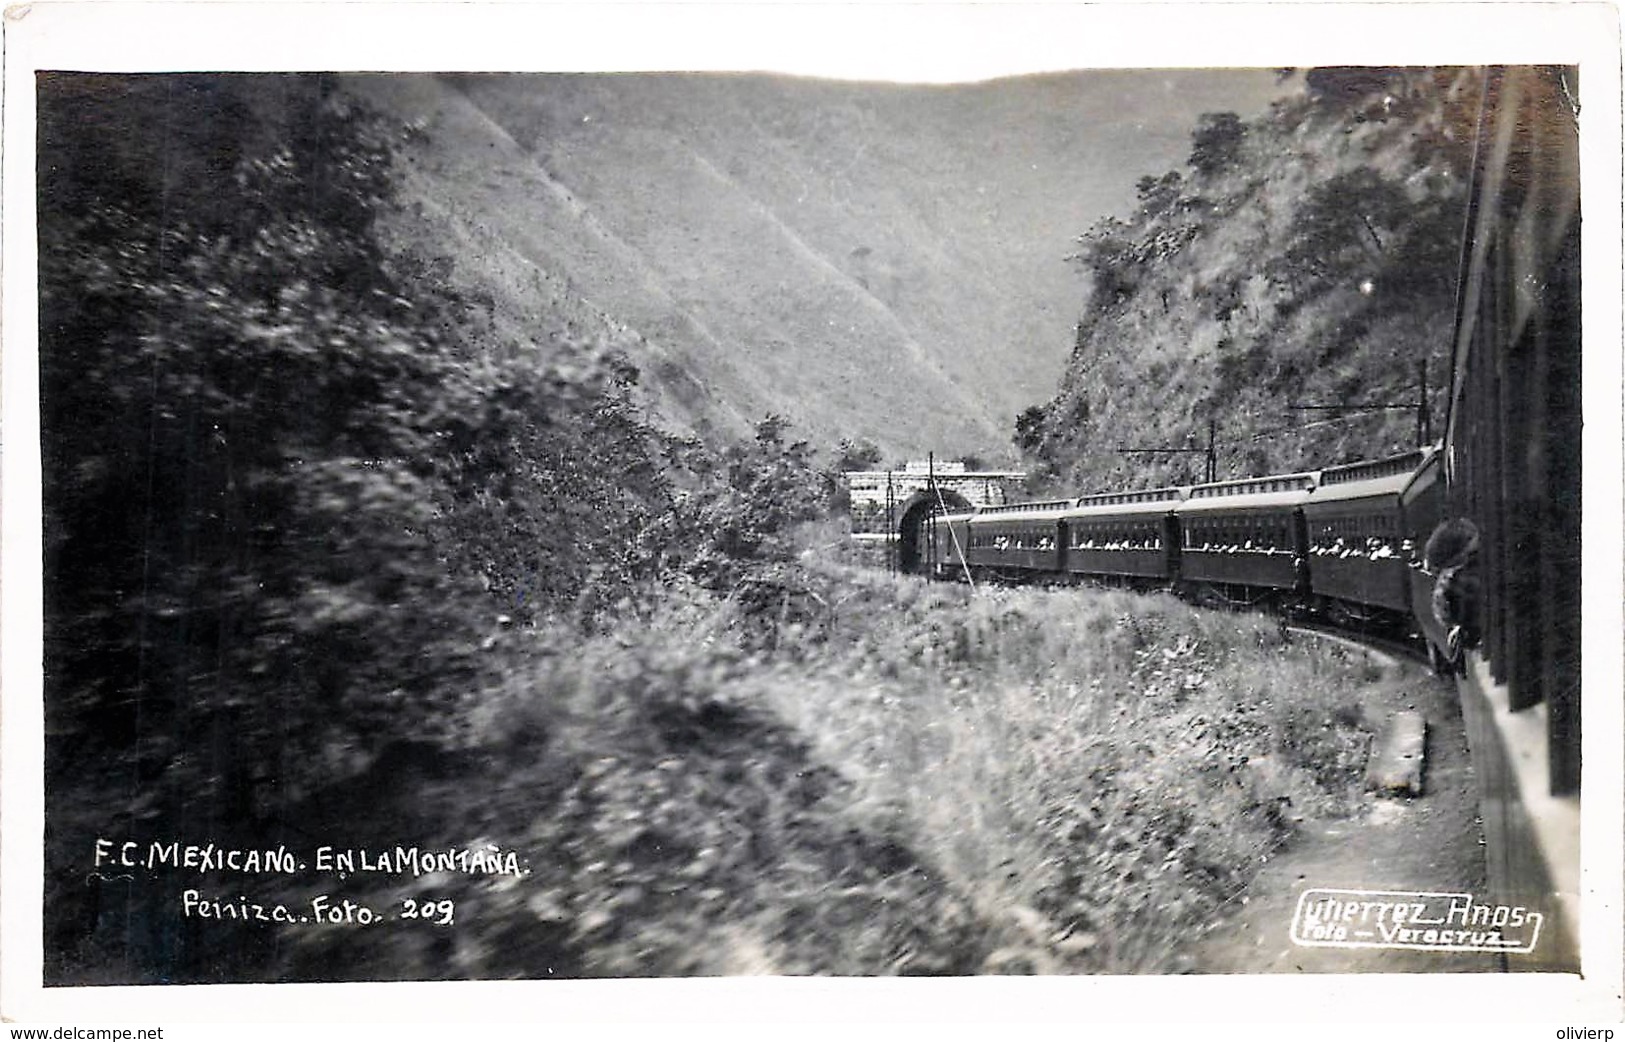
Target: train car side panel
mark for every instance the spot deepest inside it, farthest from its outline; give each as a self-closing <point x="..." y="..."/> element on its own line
<point x="1246" y="533"/>
<point x="1358" y="551"/>
<point x="1512" y="471"/>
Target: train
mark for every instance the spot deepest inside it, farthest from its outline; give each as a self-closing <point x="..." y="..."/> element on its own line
<point x="1336" y="541"/>
<point x="1472" y="545"/>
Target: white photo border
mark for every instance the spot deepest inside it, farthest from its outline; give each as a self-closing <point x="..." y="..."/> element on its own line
<point x="921" y="42"/>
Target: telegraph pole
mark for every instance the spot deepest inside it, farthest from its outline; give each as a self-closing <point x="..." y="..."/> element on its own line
<point x="1212" y="450"/>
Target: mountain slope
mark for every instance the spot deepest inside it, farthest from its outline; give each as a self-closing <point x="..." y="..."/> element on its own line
<point x="866" y="260"/>
<point x="1305" y="258"/>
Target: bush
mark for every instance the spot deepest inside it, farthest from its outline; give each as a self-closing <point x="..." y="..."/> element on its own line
<point x="276" y="472"/>
<point x="1216" y="143"/>
<point x="240" y="425"/>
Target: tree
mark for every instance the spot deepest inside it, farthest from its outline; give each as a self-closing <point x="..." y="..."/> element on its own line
<point x="1158" y="195"/>
<point x="1216" y="142"/>
<point x="1030" y="428"/>
<point x="1345" y="86"/>
<point x="861" y="454"/>
<point x="767" y="486"/>
<point x="1346" y="223"/>
<point x="1109" y="257"/>
<point x="236" y="450"/>
<point x="280" y="480"/>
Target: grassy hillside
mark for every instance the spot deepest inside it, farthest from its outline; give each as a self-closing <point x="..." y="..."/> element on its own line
<point x="870" y="261"/>
<point x="1304" y="257"/>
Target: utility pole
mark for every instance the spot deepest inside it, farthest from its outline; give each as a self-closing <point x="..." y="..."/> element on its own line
<point x="929" y="529"/>
<point x="1210" y="454"/>
<point x="1424" y="418"/>
<point x="891" y="527"/>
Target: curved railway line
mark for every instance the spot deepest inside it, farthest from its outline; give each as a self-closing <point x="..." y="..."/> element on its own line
<point x="1385" y="650"/>
<point x="1473" y="543"/>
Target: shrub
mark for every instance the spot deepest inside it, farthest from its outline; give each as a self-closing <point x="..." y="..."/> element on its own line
<point x="276" y="471"/>
<point x="1216" y="142"/>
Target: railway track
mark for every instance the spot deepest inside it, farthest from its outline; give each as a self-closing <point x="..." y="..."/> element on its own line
<point x="1385" y="649"/>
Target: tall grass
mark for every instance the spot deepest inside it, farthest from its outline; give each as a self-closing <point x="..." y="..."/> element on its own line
<point x="1098" y="771"/>
<point x="839" y="772"/>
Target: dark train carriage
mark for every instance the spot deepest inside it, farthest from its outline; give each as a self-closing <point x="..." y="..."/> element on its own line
<point x="1359" y="551"/>
<point x="1512" y="471"/>
<point x="1021" y="538"/>
<point x="1421" y="508"/>
<point x="1246" y="533"/>
<point x="1513" y="431"/>
<point x="949" y="543"/>
<point x="1133" y="535"/>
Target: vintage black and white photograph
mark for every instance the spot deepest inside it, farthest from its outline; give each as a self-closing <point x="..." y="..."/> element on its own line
<point x="620" y="524"/>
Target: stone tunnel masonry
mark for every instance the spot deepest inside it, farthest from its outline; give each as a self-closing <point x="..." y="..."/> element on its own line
<point x="890" y="506"/>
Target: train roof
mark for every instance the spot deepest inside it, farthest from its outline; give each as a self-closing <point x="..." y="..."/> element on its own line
<point x="1349" y="481"/>
<point x="1402" y="465"/>
<point x="1367" y="479"/>
<point x="1144" y="495"/>
<point x="1047" y="510"/>
<point x="1034" y="506"/>
<point x="1425" y="474"/>
<point x="1275" y="490"/>
<point x="1129" y="504"/>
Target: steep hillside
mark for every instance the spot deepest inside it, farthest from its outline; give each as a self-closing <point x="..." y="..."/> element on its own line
<point x="1306" y="257"/>
<point x="869" y="261"/>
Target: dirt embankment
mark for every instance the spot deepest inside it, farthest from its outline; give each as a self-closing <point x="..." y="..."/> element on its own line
<point x="1433" y="842"/>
